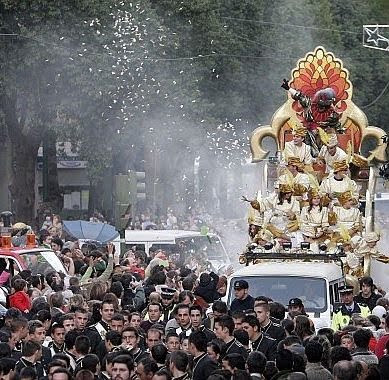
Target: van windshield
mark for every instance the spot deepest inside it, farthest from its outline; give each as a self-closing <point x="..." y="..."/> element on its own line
<point x="207" y="246"/>
<point x="312" y="291"/>
<point x="42" y="262"/>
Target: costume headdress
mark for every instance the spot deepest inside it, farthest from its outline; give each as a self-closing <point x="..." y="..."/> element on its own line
<point x="343" y="198"/>
<point x="299" y="130"/>
<point x="340" y="166"/>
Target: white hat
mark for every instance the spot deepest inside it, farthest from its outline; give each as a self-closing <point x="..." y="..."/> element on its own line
<point x="379" y="311"/>
<point x="372" y="237"/>
<point x="332" y="141"/>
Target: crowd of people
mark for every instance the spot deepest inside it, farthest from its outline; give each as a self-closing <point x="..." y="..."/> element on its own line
<point x="153" y="318"/>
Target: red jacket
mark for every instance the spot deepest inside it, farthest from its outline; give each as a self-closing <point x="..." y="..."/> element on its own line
<point x="20" y="300"/>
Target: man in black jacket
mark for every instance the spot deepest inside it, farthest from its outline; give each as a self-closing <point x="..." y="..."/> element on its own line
<point x="274" y="330"/>
<point x="243" y="301"/>
<point x="203" y="365"/>
<point x="367" y="296"/>
<point x="260" y="341"/>
<point x="224" y="330"/>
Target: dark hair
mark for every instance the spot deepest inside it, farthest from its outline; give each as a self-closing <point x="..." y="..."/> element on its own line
<point x="84" y="374"/>
<point x="366" y="281"/>
<point x="303" y="326"/>
<point x="196" y="307"/>
<point x="29" y="348"/>
<point x="90" y="362"/>
<point x="114" y="337"/>
<point x="117" y="289"/>
<point x="240" y="374"/>
<point x="55" y="363"/>
<point x="62" y="356"/>
<point x="182" y="306"/>
<point x="256" y="362"/>
<point x="277" y="310"/>
<point x="118" y="317"/>
<point x="362" y="338"/>
<point x="19" y="284"/>
<point x="33" y="325"/>
<point x="235" y="361"/>
<point x="125" y="359"/>
<point x="149" y="365"/>
<point x="338" y="354"/>
<point x="5" y="350"/>
<point x="284" y="360"/>
<point x="242" y="337"/>
<point x="328" y="332"/>
<point x="159" y="353"/>
<point x="56" y="326"/>
<point x="252" y="321"/>
<point x="28" y="372"/>
<point x="199" y="340"/>
<point x="238" y="314"/>
<point x="131" y="329"/>
<point x="171" y="334"/>
<point x="70" y="338"/>
<point x="188" y="283"/>
<point x="6" y="365"/>
<point x="155" y="304"/>
<point x="163" y="372"/>
<point x="376" y="321"/>
<point x="82" y="345"/>
<point x="57" y="241"/>
<point x="220" y="307"/>
<point x="180" y="360"/>
<point x="57" y="299"/>
<point x="184" y="294"/>
<point x="314" y="351"/>
<point x="215" y="345"/>
<point x="63" y="371"/>
<point x="288" y="326"/>
<point x="225" y="321"/>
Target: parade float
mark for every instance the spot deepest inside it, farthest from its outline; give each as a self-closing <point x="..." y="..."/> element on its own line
<point x="319" y="203"/>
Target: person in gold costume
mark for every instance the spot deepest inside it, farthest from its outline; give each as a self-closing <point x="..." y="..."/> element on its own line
<point x="314" y="219"/>
<point x="297" y="147"/>
<point x="339" y="182"/>
<point x="294" y="175"/>
<point x="346" y="216"/>
<point x="283" y="209"/>
<point x="331" y="153"/>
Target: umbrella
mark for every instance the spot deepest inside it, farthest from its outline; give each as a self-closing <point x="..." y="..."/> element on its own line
<point x="81" y="229"/>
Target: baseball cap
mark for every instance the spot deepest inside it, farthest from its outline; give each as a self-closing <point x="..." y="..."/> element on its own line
<point x="295" y="302"/>
<point x="241" y="284"/>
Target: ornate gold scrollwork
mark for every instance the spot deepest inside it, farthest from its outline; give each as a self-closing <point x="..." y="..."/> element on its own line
<point x="317" y="70"/>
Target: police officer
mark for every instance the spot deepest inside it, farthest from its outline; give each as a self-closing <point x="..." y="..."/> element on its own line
<point x="342" y="316"/>
<point x="243" y="301"/>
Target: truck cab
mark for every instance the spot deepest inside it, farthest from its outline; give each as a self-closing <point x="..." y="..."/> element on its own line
<point x="316" y="283"/>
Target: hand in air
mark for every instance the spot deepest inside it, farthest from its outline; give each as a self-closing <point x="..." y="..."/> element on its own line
<point x="285" y="84"/>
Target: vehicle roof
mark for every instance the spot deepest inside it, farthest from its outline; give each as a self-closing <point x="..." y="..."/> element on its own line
<point x="167" y="236"/>
<point x="21" y="250"/>
<point x="331" y="271"/>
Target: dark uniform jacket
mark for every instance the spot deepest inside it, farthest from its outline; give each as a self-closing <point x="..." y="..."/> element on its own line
<point x="275" y="331"/>
<point x="242" y="305"/>
<point x="266" y="345"/>
<point x="203" y="366"/>
<point x="23" y="363"/>
<point x="235" y="347"/>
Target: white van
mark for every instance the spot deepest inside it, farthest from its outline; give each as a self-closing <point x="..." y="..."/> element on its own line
<point x="175" y="240"/>
<point x="315" y="283"/>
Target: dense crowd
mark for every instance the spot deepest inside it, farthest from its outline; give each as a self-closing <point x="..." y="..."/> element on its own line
<point x="155" y="318"/>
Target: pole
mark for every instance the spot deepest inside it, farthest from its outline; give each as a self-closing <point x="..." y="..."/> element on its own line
<point x="45" y="172"/>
